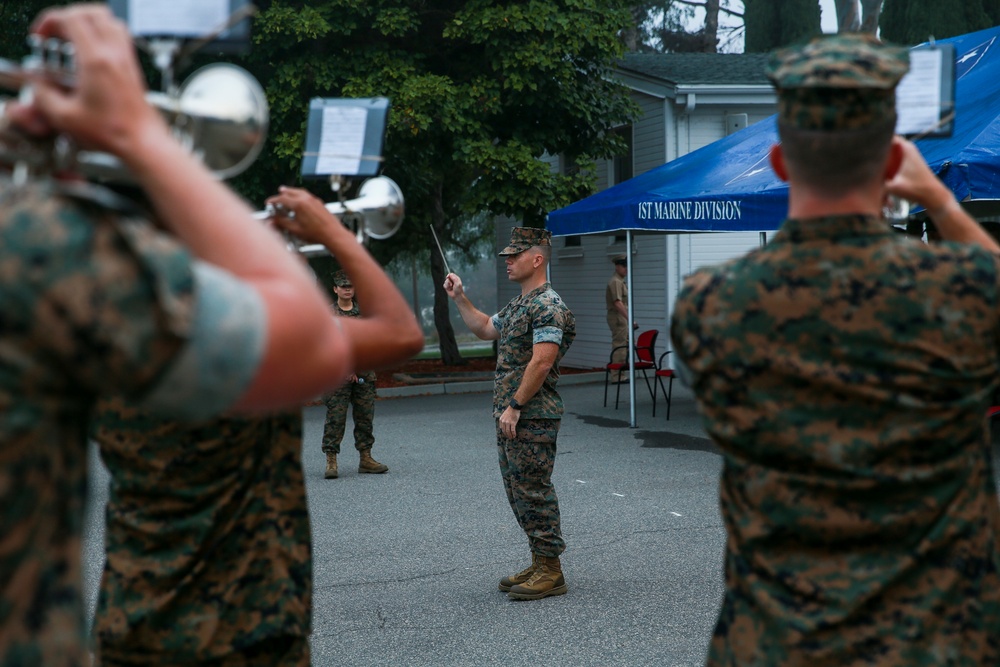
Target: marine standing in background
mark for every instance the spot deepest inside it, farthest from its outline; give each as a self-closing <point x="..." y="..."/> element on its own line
<point x="358" y="393"/>
<point x="534" y="330"/>
<point x="616" y="301"/>
<point x="844" y="370"/>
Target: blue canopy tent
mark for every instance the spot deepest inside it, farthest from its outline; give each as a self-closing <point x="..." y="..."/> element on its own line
<point x="726" y="186"/>
<point x="729" y="186"/>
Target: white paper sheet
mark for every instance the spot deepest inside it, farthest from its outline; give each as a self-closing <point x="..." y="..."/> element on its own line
<point x="341" y="140"/>
<point x="918" y="96"/>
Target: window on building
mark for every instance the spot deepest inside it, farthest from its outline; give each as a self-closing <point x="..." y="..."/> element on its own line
<point x="573" y="242"/>
<point x="623" y="163"/>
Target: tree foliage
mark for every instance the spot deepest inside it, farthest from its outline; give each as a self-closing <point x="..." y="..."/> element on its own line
<point x="479" y="91"/>
<point x="683" y="26"/>
<point x="915" y="21"/>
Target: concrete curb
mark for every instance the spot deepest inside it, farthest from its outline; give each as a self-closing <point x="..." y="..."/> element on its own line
<point x="478" y="386"/>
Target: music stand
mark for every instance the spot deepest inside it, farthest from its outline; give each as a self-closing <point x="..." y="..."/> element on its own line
<point x="344" y="137"/>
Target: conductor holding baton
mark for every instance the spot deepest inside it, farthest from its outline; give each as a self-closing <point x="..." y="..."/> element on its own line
<point x="534" y="331"/>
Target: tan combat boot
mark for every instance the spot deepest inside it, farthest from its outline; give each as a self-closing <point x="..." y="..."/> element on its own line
<point x="331" y="466"/>
<point x="370" y="465"/>
<point x="546" y="580"/>
<point x="513" y="580"/>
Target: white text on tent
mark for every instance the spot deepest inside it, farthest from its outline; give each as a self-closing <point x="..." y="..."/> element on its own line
<point x="690" y="210"/>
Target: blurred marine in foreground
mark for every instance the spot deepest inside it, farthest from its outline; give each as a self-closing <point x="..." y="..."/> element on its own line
<point x="207" y="534"/>
<point x="214" y="316"/>
<point x="845" y="369"/>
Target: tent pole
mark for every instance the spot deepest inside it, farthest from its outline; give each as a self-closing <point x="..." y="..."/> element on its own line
<point x="631" y="331"/>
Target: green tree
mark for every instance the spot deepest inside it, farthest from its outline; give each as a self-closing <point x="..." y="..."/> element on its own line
<point x="479" y="89"/>
<point x="681" y="26"/>
<point x="915" y="21"/>
<point x="770" y="25"/>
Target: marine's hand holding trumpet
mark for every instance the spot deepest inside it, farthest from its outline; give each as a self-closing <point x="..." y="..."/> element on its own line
<point x="106" y="109"/>
<point x="305" y="216"/>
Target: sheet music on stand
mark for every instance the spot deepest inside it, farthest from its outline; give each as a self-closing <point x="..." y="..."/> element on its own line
<point x="344" y="136"/>
<point x="187" y="19"/>
<point x="925" y="97"/>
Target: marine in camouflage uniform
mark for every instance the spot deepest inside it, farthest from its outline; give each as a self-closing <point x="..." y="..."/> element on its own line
<point x="531" y="326"/>
<point x="93" y="303"/>
<point x="358" y="394"/>
<point x="844" y="370"/>
<point x="208" y="542"/>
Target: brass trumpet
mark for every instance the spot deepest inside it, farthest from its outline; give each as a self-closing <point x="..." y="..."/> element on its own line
<point x="376" y="213"/>
<point x="219" y="113"/>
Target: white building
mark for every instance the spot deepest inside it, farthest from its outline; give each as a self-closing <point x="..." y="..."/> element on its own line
<point x="687" y="101"/>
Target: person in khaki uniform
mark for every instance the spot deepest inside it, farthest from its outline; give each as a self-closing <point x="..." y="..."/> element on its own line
<point x="534" y="331"/>
<point x="616" y="301"/>
<point x="844" y="370"/>
<point x="358" y="394"/>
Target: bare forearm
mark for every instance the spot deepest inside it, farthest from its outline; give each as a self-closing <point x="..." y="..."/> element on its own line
<point x="477" y="321"/>
<point x="207" y="216"/>
<point x="955" y="224"/>
<point x="622" y="309"/>
<point x="534" y="376"/>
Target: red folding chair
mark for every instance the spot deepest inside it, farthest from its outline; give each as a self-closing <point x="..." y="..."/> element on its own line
<point x="658" y="376"/>
<point x="645" y="359"/>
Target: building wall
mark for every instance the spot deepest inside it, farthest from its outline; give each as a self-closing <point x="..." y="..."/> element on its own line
<point x="660" y="260"/>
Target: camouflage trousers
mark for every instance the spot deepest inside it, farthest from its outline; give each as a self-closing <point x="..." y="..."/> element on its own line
<point x="361" y="398"/>
<point x="526" y="463"/>
<point x="285" y="650"/>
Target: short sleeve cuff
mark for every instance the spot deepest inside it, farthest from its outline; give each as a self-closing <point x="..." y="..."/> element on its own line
<point x="547" y="335"/>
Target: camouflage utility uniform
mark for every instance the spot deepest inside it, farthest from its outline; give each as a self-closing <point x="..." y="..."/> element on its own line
<point x="92" y="304"/>
<point x="360" y="397"/>
<point x="526" y="462"/>
<point x="208" y="542"/>
<point x="844" y="370"/>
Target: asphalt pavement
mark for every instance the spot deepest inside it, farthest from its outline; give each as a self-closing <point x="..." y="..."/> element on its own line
<point x="406" y="564"/>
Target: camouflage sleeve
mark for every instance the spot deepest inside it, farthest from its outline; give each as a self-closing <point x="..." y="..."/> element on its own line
<point x="547" y="320"/>
<point x="547" y="335"/>
<point x="224" y="351"/>
<point x="102" y="301"/>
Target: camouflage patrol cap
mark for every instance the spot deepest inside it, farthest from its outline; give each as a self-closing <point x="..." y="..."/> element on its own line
<point x="523" y="238"/>
<point x="838" y="82"/>
<point x="341" y="279"/>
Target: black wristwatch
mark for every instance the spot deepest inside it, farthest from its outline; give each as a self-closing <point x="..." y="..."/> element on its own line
<point x="514" y="404"/>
